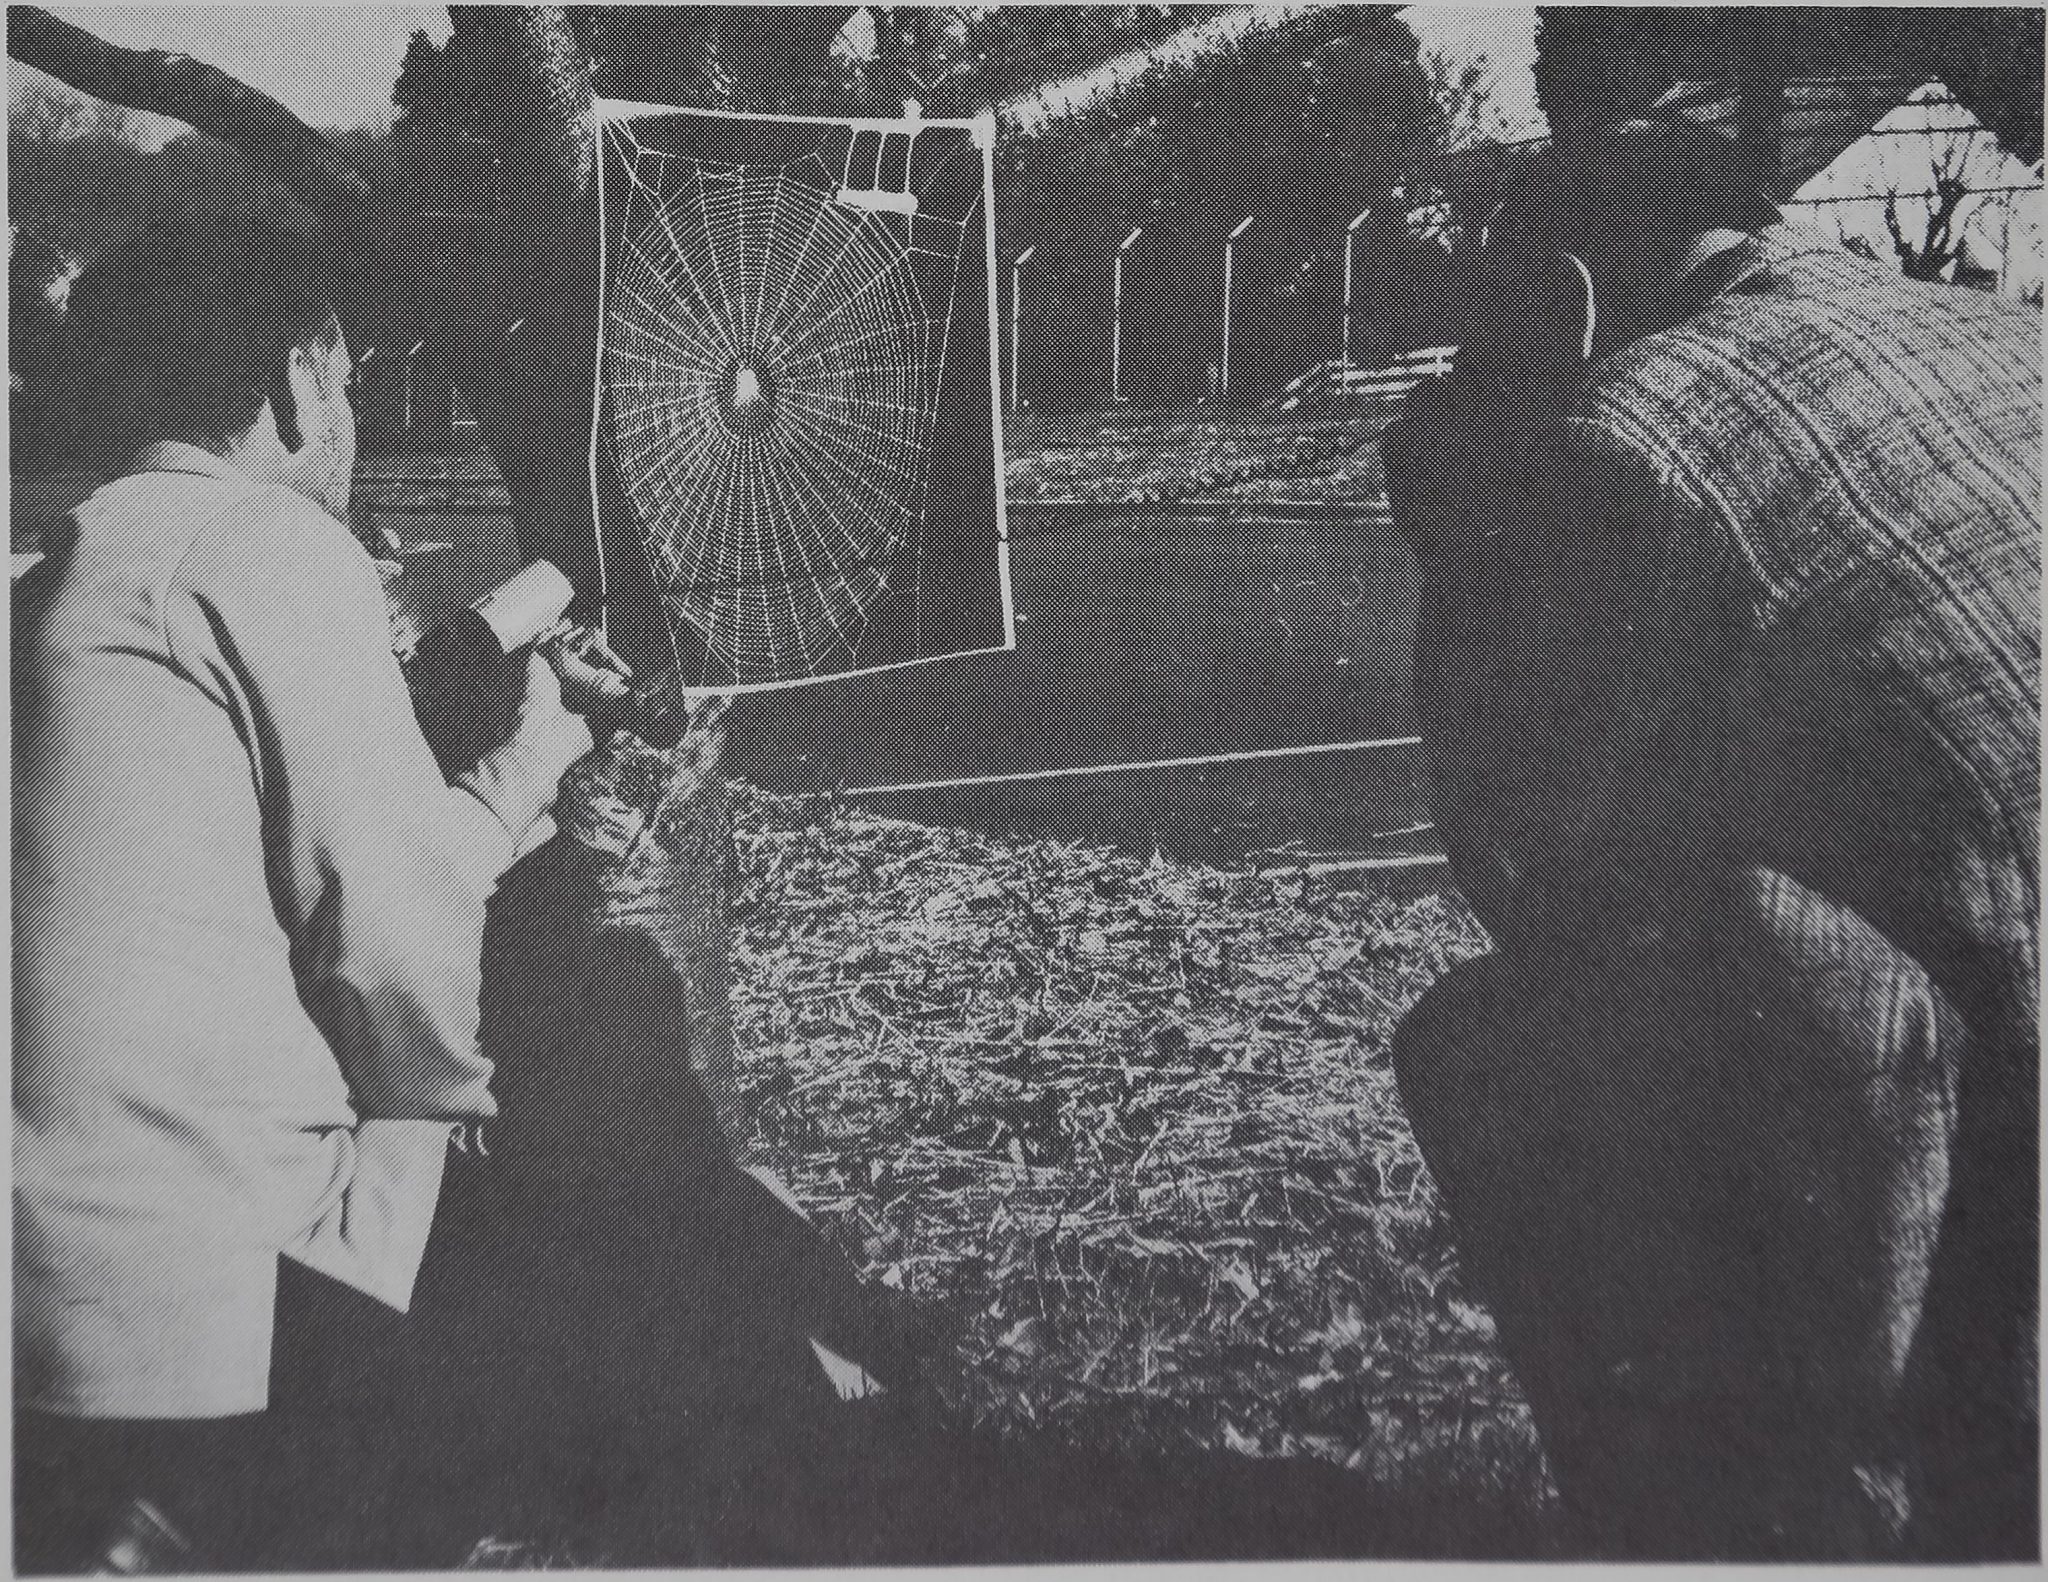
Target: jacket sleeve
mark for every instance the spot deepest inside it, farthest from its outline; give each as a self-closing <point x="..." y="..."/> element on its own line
<point x="379" y="871"/>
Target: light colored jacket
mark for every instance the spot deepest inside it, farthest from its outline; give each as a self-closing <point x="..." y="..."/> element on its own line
<point x="248" y="914"/>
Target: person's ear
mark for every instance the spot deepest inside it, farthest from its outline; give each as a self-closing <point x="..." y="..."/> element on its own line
<point x="307" y="377"/>
<point x="1582" y="312"/>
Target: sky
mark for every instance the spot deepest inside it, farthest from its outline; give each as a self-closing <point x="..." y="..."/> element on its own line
<point x="330" y="65"/>
<point x="1506" y="37"/>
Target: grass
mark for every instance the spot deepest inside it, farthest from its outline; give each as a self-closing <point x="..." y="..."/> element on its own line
<point x="1135" y="1125"/>
<point x="1139" y="456"/>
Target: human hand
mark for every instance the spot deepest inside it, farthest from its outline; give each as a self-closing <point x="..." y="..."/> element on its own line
<point x="519" y="780"/>
<point x="549" y="735"/>
<point x="589" y="672"/>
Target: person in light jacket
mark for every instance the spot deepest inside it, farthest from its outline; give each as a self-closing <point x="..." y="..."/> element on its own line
<point x="265" y="1316"/>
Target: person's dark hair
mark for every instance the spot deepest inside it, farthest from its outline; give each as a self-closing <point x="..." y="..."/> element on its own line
<point x="182" y="333"/>
<point x="1599" y="218"/>
<point x="1637" y="183"/>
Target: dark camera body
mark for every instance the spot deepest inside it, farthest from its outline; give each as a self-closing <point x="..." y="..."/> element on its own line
<point x="467" y="692"/>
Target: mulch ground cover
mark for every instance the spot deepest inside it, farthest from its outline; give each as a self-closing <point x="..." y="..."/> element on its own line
<point x="1134" y="1123"/>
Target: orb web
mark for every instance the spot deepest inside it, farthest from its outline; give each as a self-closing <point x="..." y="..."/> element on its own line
<point x="773" y="369"/>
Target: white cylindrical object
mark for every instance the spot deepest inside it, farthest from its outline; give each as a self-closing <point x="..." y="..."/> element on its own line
<point x="525" y="605"/>
<point x="1017" y="324"/>
<point x="1116" y="319"/>
<point x="1350" y="247"/>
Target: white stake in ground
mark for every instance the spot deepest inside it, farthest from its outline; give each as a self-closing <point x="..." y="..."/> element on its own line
<point x="1116" y="315"/>
<point x="1229" y="253"/>
<point x="1017" y="323"/>
<point x="1350" y="248"/>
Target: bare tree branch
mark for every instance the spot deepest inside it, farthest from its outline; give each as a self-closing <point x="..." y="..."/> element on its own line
<point x="204" y="97"/>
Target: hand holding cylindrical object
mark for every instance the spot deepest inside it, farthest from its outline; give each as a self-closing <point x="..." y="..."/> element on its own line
<point x="592" y="675"/>
<point x="525" y="606"/>
<point x="468" y="685"/>
<point x="469" y="675"/>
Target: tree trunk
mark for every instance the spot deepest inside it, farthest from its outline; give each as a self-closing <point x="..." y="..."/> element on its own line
<point x="663" y="822"/>
<point x="531" y="389"/>
<point x="665" y="817"/>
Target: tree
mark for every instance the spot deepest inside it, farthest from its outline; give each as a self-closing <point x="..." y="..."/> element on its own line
<point x="1464" y="91"/>
<point x="39" y="278"/>
<point x="73" y="162"/>
<point x="41" y="109"/>
<point x="1301" y="117"/>
<point x="1992" y="60"/>
<point x="959" y="60"/>
<point x="1933" y="253"/>
<point x="204" y="97"/>
<point x="423" y="87"/>
<point x="76" y="166"/>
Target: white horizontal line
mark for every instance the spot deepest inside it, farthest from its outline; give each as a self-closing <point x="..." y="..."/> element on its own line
<point x="1130" y="768"/>
<point x="1208" y="505"/>
<point x="604" y="109"/>
<point x="1357" y="865"/>
<point x="1283" y="519"/>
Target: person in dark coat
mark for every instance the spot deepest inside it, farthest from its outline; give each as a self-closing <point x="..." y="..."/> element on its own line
<point x="1729" y="666"/>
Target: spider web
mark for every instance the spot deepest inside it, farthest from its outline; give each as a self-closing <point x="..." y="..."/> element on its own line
<point x="773" y="352"/>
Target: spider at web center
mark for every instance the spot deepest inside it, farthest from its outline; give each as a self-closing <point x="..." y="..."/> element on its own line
<point x="747" y="397"/>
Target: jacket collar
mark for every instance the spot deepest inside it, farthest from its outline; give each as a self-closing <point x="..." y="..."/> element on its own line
<point x="179" y="457"/>
<point x="1727" y="260"/>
